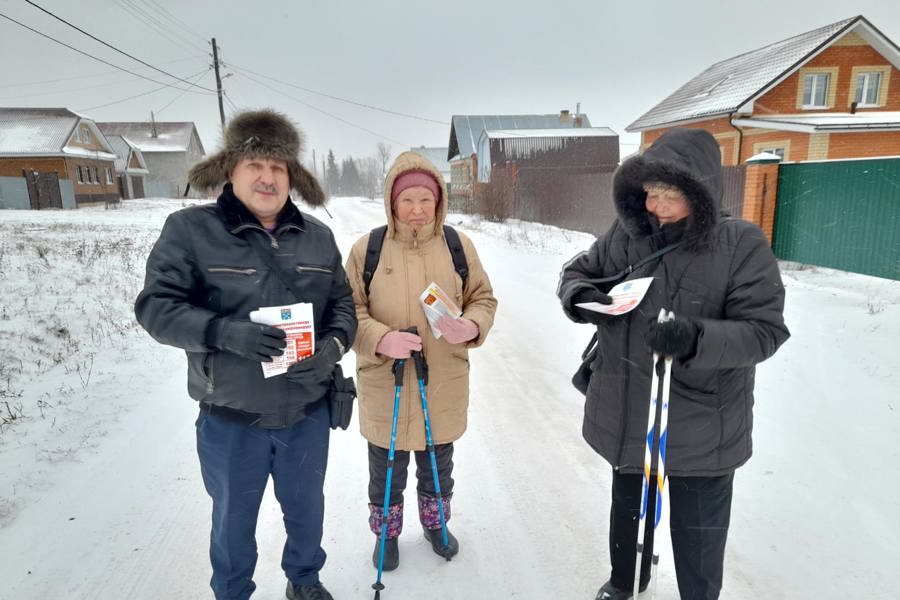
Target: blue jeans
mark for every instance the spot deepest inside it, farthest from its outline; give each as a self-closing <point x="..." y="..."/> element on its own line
<point x="236" y="461"/>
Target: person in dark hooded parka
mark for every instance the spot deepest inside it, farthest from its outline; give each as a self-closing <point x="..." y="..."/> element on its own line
<point x="723" y="284"/>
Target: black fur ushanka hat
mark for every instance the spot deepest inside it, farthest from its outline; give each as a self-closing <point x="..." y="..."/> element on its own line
<point x="259" y="134"/>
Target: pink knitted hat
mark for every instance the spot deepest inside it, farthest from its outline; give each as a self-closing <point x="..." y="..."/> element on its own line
<point x="415" y="178"/>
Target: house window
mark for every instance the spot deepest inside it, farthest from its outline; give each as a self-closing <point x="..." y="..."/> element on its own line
<point x="79" y="174"/>
<point x="867" y="85"/>
<point x="779" y="151"/>
<point x="815" y="90"/>
<point x="108" y="176"/>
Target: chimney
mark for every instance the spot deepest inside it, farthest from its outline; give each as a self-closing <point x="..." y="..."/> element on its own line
<point x="564" y="116"/>
<point x="578" y="120"/>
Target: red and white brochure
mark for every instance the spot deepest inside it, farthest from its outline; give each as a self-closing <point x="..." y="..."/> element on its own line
<point x="297" y="322"/>
<point x="625" y="297"/>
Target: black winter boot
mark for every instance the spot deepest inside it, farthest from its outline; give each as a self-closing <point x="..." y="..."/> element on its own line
<point x="307" y="592"/>
<point x="609" y="592"/>
<point x="391" y="554"/>
<point x="437" y="543"/>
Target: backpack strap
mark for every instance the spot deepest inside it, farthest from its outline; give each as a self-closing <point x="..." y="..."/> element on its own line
<point x="460" y="264"/>
<point x="376" y="241"/>
<point x="373" y="253"/>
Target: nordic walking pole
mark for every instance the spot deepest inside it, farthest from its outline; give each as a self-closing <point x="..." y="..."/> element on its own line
<point x="422" y="377"/>
<point x="398" y="385"/>
<point x="661" y="462"/>
<point x="654" y="456"/>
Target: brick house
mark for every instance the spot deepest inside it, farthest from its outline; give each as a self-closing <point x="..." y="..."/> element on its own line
<point x="831" y="93"/>
<point x="36" y="143"/>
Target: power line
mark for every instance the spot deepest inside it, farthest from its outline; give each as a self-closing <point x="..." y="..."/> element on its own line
<point x="326" y="113"/>
<point x="95" y="38"/>
<point x="150" y="21"/>
<point x="172" y="101"/>
<point x="79" y="77"/>
<point x="353" y="102"/>
<point x="142" y="94"/>
<point x="105" y="62"/>
<point x="175" y="20"/>
<point x="79" y="89"/>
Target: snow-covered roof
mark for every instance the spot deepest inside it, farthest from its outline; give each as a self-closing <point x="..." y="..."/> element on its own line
<point x="466" y="129"/>
<point x="124" y="150"/>
<point x="438" y="157"/>
<point x="170" y="136"/>
<point x="550" y="133"/>
<point x="727" y="86"/>
<point x="46" y="132"/>
<point x="35" y="130"/>
<point x="831" y="122"/>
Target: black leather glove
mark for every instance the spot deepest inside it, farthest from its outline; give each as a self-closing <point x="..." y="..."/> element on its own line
<point x="591" y="294"/>
<point x="317" y="368"/>
<point x="677" y="337"/>
<point x="247" y="339"/>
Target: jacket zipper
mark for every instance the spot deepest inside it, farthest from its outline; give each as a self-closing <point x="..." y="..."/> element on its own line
<point x="313" y="269"/>
<point x="210" y="378"/>
<point x="247" y="271"/>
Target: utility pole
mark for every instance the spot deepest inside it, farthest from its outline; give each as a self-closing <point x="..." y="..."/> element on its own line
<point x="218" y="81"/>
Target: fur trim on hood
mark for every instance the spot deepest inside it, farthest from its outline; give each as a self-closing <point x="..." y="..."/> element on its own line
<point x="688" y="159"/>
<point x="410" y="161"/>
<point x="263" y="134"/>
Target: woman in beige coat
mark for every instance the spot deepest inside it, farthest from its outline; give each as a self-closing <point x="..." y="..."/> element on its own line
<point x="413" y="255"/>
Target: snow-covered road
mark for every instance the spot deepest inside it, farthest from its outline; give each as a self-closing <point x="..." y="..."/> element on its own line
<point x="816" y="511"/>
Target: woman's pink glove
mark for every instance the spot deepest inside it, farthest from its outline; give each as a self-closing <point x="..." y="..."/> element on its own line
<point x="457" y="331"/>
<point x="398" y="344"/>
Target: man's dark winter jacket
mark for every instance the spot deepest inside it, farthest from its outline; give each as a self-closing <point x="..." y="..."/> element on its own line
<point x="724" y="277"/>
<point x="205" y="266"/>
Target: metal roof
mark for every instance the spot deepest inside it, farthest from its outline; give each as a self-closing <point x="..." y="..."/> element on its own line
<point x="554" y="133"/>
<point x="466" y="129"/>
<point x="47" y="132"/>
<point x="437" y="155"/>
<point x="726" y="86"/>
<point x="170" y="136"/>
<point x="35" y="130"/>
<point x="832" y="122"/>
<point x="124" y="150"/>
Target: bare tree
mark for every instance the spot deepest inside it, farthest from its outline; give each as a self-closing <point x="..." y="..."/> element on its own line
<point x="384" y="156"/>
<point x="370" y="178"/>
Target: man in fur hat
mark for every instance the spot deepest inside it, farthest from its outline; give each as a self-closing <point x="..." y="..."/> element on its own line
<point x="721" y="280"/>
<point x="212" y="265"/>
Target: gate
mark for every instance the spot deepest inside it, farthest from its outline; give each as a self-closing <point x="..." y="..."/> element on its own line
<point x="840" y="214"/>
<point x="43" y="189"/>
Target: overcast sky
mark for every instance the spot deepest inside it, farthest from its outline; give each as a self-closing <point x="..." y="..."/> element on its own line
<point x="427" y="59"/>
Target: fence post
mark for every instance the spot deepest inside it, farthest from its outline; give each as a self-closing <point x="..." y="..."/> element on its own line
<point x="761" y="191"/>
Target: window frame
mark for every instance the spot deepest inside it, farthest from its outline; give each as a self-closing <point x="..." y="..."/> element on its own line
<point x="884" y="80"/>
<point x="831" y="86"/>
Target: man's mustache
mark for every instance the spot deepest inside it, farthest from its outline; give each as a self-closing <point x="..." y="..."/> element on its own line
<point x="269" y="189"/>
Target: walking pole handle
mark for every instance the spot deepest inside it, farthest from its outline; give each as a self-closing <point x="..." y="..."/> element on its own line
<point x="419" y="358"/>
<point x="397" y="370"/>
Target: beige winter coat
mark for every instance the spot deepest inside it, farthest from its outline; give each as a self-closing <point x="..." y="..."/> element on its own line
<point x="408" y="264"/>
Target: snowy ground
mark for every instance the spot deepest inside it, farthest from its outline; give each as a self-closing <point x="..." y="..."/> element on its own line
<point x="100" y="492"/>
